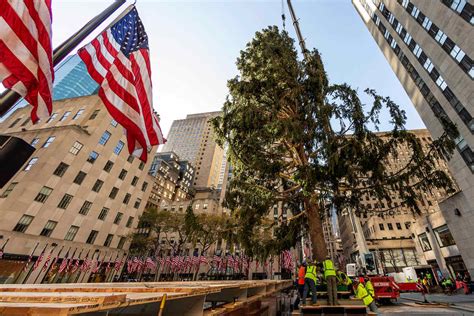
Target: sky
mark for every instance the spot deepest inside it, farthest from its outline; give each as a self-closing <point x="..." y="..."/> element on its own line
<point x="194" y="46"/>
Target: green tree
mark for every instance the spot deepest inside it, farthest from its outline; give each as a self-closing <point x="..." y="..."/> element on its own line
<point x="296" y="140"/>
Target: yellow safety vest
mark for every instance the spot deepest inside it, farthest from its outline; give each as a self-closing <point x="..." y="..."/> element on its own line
<point x="328" y="268"/>
<point x="362" y="294"/>
<point x="370" y="288"/>
<point x="311" y="273"/>
<point x="344" y="279"/>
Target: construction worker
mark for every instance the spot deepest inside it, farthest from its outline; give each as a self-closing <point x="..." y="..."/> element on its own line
<point x="369" y="286"/>
<point x="361" y="293"/>
<point x="310" y="278"/>
<point x="343" y="279"/>
<point x="331" y="280"/>
<point x="301" y="274"/>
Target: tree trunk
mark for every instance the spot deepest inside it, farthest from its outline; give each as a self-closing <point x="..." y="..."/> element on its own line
<point x="318" y="244"/>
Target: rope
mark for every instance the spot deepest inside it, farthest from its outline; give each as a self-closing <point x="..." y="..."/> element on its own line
<point x="283" y="18"/>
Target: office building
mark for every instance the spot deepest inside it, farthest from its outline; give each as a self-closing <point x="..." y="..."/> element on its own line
<point x="429" y="46"/>
<point x="79" y="195"/>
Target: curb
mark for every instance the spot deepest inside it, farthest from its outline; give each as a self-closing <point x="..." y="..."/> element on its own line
<point x="450" y="305"/>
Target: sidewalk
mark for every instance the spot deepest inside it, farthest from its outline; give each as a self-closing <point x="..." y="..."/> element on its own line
<point x="461" y="301"/>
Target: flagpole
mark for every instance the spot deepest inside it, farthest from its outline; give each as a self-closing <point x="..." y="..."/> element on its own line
<point x="31" y="269"/>
<point x="44" y="263"/>
<point x="8" y="98"/>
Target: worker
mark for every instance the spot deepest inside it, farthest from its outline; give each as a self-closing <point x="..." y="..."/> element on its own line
<point x="331" y="280"/>
<point x="301" y="274"/>
<point x="310" y="278"/>
<point x="429" y="277"/>
<point x="369" y="286"/>
<point x="344" y="280"/>
<point x="361" y="293"/>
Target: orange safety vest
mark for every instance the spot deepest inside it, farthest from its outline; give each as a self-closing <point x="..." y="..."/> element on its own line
<point x="301" y="273"/>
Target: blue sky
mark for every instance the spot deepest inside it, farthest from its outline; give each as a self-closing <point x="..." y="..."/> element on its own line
<point x="194" y="45"/>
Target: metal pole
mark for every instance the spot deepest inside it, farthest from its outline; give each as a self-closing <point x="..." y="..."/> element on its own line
<point x="297" y="29"/>
<point x="8" y="98"/>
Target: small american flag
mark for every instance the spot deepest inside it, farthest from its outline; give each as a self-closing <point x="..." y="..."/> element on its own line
<point x="48" y="259"/>
<point x="64" y="264"/>
<point x="150" y="264"/>
<point x="75" y="266"/>
<point x="38" y="261"/>
<point x="118" y="264"/>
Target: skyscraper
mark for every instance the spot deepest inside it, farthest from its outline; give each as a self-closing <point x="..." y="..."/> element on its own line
<point x="429" y="46"/>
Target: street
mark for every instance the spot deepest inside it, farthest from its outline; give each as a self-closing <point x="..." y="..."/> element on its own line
<point x="409" y="303"/>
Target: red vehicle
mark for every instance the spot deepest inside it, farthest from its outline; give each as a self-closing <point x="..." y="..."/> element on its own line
<point x="410" y="287"/>
<point x="386" y="289"/>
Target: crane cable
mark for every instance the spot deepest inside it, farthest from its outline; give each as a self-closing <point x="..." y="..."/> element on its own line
<point x="283" y="18"/>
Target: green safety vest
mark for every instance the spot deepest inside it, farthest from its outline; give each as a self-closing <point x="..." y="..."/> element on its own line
<point x="311" y="273"/>
<point x="362" y="294"/>
<point x="328" y="268"/>
<point x="370" y="288"/>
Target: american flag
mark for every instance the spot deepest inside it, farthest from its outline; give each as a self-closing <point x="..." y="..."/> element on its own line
<point x="48" y="259"/>
<point x="25" y="268"/>
<point x="75" y="265"/>
<point x="118" y="264"/>
<point x="150" y="264"/>
<point x="63" y="265"/>
<point x="38" y="260"/>
<point x="26" y="62"/>
<point x="118" y="59"/>
<point x="1" y="253"/>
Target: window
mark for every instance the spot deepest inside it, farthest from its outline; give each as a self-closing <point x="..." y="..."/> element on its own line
<point x="399" y="28"/>
<point x="113" y="123"/>
<point x="103" y="213"/>
<point x="441" y="83"/>
<point x="424" y="242"/>
<point x="52" y="117"/>
<point x="65" y="116"/>
<point x="196" y="207"/>
<point x="407" y="225"/>
<point x="427" y="23"/>
<point x="34" y="142"/>
<point x="390" y="226"/>
<point x="14" y="122"/>
<point x="119" y="147"/>
<point x="43" y="194"/>
<point x="458" y="53"/>
<point x="108" y="240"/>
<point x="48" y="141"/>
<point x="79" y="113"/>
<point x="417" y="50"/>
<point x="30" y="163"/>
<point x="8" y="190"/>
<point x="60" y="169"/>
<point x="79" y="177"/>
<point x="71" y="233"/>
<point x="204" y="206"/>
<point x="85" y="208"/>
<point x="104" y="138"/>
<point x="121" y="242"/>
<point x="144" y="186"/>
<point x="440" y="37"/>
<point x="444" y="237"/>
<point x="94" y="114"/>
<point x="48" y="228"/>
<point x="126" y="199"/>
<point x="130" y="159"/>
<point x="129" y="221"/>
<point x="407" y="39"/>
<point x="25" y="121"/>
<point x="97" y="185"/>
<point x="118" y="218"/>
<point x="141" y="166"/>
<point x="122" y="174"/>
<point x="108" y="165"/>
<point x="23" y="223"/>
<point x="76" y="148"/>
<point x="92" y="157"/>
<point x="65" y="201"/>
<point x="399" y="226"/>
<point x="134" y="181"/>
<point x="415" y="12"/>
<point x="428" y="65"/>
<point x="137" y="203"/>
<point x="92" y="237"/>
<point x="113" y="193"/>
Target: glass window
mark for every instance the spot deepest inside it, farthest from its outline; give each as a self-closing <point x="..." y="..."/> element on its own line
<point x="43" y="194"/>
<point x="34" y="142"/>
<point x="415" y="12"/>
<point x="399" y="226"/>
<point x="92" y="237"/>
<point x="48" y="141"/>
<point x="65" y="116"/>
<point x="427" y="23"/>
<point x="113" y="193"/>
<point x="31" y="163"/>
<point x="14" y="122"/>
<point x="119" y="147"/>
<point x="108" y="165"/>
<point x="407" y="38"/>
<point x="25" y="122"/>
<point x="48" y="228"/>
<point x="118" y="218"/>
<point x="417" y="50"/>
<point x="441" y="83"/>
<point x="390" y="226"/>
<point x="65" y="201"/>
<point x="104" y="138"/>
<point x="113" y="123"/>
<point x="108" y="240"/>
<point x="444" y="237"/>
<point x="103" y="213"/>
<point x="141" y="166"/>
<point x="23" y="223"/>
<point x="71" y="233"/>
<point x="121" y="242"/>
<point x="92" y="157"/>
<point x="76" y="148"/>
<point x="424" y="242"/>
<point x="129" y="221"/>
<point x="85" y="208"/>
<point x="428" y="65"/>
<point x="61" y="169"/>
<point x="79" y="113"/>
<point x="94" y="114"/>
<point x="122" y="174"/>
<point x="52" y="117"/>
<point x="97" y="185"/>
<point x="137" y="203"/>
<point x="440" y="37"/>
<point x="126" y="199"/>
<point x="79" y="177"/>
<point x="130" y="159"/>
<point x="9" y="189"/>
<point x="144" y="186"/>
